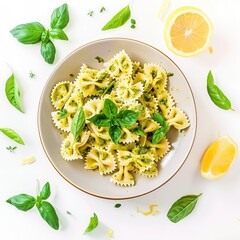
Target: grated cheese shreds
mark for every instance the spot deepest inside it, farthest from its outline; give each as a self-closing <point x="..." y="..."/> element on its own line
<point x="152" y="210"/>
<point x="110" y="233"/>
<point x="28" y="160"/>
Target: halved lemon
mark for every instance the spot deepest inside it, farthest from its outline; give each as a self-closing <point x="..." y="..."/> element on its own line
<point x="218" y="157"/>
<point x="188" y="31"/>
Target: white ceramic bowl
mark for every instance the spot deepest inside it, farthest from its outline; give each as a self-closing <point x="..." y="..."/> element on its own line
<point x="91" y="181"/>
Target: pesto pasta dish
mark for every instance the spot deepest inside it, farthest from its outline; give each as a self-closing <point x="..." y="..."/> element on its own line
<point x="116" y="119"/>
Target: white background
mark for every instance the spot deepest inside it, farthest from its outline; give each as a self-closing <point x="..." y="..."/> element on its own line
<point x="217" y="214"/>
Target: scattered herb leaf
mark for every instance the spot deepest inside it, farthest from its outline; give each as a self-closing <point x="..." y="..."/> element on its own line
<point x="108" y="88"/>
<point x="182" y="207"/>
<point x="216" y="95"/>
<point x="100" y="59"/>
<point x="92" y="224"/>
<point x="11" y="149"/>
<point x="119" y="19"/>
<point x="133" y="26"/>
<point x="13" y="93"/>
<point x="63" y="113"/>
<point x="133" y="21"/>
<point x="139" y="131"/>
<point x="90" y="13"/>
<point x="69" y="213"/>
<point x="170" y="74"/>
<point x="103" y="9"/>
<point x="12" y="135"/>
<point x="78" y="122"/>
<point x="117" y="205"/>
<point x="31" y="74"/>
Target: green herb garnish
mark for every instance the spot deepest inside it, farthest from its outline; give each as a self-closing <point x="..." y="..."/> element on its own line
<point x="110" y="117"/>
<point x="78" y="123"/>
<point x="62" y="113"/>
<point x="103" y="9"/>
<point x="216" y="95"/>
<point x="31" y="74"/>
<point x="133" y="23"/>
<point x="25" y="202"/>
<point x="69" y="213"/>
<point x="90" y="13"/>
<point x="100" y="59"/>
<point x="12" y="92"/>
<point x="161" y="132"/>
<point x="10" y="133"/>
<point x="11" y="149"/>
<point x="119" y="19"/>
<point x="35" y="32"/>
<point x="170" y="74"/>
<point x="92" y="224"/>
<point x="117" y="205"/>
<point x="139" y="131"/>
<point x="108" y="88"/>
<point x="182" y="207"/>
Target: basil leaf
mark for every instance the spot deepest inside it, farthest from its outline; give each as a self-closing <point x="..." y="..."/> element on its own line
<point x="60" y="17"/>
<point x="117" y="205"/>
<point x="48" y="52"/>
<point x="92" y="224"/>
<point x="182" y="207"/>
<point x="12" y="135"/>
<point x="49" y="214"/>
<point x="161" y="132"/>
<point x="78" y="123"/>
<point x="46" y="191"/>
<point x="58" y="33"/>
<point x="23" y="202"/>
<point x="216" y="95"/>
<point x="109" y="109"/>
<point x="28" y="33"/>
<point x="100" y="120"/>
<point x="115" y="133"/>
<point x="159" y="118"/>
<point x="119" y="19"/>
<point x="45" y="36"/>
<point x="13" y="93"/>
<point x="127" y="118"/>
<point x="139" y="131"/>
<point x="158" y="135"/>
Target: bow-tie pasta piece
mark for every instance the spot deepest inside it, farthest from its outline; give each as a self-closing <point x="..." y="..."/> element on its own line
<point x="61" y="93"/>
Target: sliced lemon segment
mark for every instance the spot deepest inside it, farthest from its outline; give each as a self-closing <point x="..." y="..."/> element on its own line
<point x="218" y="157"/>
<point x="188" y="31"/>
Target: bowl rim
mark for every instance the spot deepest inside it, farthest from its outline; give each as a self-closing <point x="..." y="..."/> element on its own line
<point x="46" y="84"/>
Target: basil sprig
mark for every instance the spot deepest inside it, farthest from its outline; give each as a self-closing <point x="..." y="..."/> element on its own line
<point x="12" y="92"/>
<point x="25" y="202"/>
<point x="10" y="133"/>
<point x="161" y="132"/>
<point x="92" y="224"/>
<point x="78" y="123"/>
<point x="182" y="207"/>
<point x="119" y="19"/>
<point x="216" y="95"/>
<point x="110" y="117"/>
<point x="35" y="32"/>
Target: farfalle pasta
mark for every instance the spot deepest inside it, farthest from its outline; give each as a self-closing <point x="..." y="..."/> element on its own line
<point x="140" y="88"/>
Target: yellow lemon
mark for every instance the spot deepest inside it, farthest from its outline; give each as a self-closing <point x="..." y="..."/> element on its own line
<point x="188" y="31"/>
<point x="218" y="157"/>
